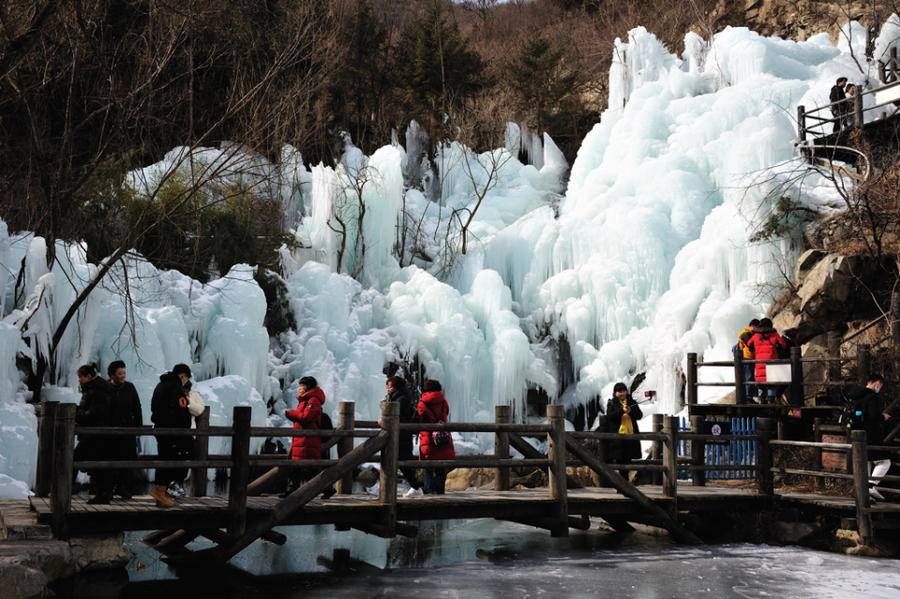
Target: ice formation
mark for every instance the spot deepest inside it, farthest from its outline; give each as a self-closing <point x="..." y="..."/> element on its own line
<point x="642" y="255"/>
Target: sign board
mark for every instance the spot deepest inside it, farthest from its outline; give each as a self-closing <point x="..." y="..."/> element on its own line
<point x="719" y="429"/>
<point x="832" y="460"/>
<point x="889" y="94"/>
<point x="778" y="373"/>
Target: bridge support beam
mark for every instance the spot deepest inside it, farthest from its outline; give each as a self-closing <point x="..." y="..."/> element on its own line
<point x="556" y="453"/>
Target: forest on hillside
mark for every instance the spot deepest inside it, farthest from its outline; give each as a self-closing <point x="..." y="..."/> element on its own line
<point x="93" y="89"/>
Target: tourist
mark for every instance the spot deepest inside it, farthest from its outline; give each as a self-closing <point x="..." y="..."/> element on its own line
<point x="837" y="97"/>
<point x="398" y="391"/>
<point x="94" y="410"/>
<point x="622" y="415"/>
<point x="433" y="408"/>
<point x="849" y="104"/>
<point x="126" y="412"/>
<point x="306" y="416"/>
<point x="869" y="414"/>
<point x="766" y="344"/>
<point x="169" y="409"/>
<point x="746" y="353"/>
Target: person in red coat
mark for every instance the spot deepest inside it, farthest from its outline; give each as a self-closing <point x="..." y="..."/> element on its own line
<point x="433" y="408"/>
<point x="766" y="344"/>
<point x="306" y="416"/>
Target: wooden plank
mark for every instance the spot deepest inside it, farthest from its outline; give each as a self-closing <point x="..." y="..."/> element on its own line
<point x="556" y="452"/>
<point x="502" y="415"/>
<point x="63" y="453"/>
<point x="201" y="451"/>
<point x="861" y="487"/>
<point x="390" y="453"/>
<point x="346" y="422"/>
<point x="46" y="429"/>
<point x="240" y="471"/>
<point x="474" y="427"/>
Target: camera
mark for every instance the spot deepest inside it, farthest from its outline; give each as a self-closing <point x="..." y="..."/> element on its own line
<point x="649" y="394"/>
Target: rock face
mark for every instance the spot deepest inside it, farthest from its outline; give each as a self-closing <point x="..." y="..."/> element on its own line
<point x="798" y="19"/>
<point x="827" y="287"/>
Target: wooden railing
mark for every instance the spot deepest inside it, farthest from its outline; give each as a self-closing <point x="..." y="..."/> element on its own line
<point x="798" y="381"/>
<point x="858" y="472"/>
<point x="58" y="432"/>
<point x="813" y="121"/>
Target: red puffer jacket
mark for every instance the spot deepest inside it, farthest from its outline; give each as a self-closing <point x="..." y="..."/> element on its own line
<point x="307" y="415"/>
<point x="432" y="407"/>
<point x="765" y="345"/>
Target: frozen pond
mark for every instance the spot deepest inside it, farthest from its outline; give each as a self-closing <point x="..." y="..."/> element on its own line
<point x="483" y="558"/>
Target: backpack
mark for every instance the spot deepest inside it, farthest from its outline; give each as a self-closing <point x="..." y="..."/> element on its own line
<point x="325" y="424"/>
<point x="438" y="438"/>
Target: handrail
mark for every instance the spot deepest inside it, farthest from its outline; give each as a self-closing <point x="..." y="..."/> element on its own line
<point x="214" y="431"/>
<point x="848" y="99"/>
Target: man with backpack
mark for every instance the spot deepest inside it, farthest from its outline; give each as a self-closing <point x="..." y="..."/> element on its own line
<point x="869" y="414"/>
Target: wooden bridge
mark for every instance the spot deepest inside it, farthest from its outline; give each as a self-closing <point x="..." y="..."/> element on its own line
<point x="877" y="122"/>
<point x="247" y="514"/>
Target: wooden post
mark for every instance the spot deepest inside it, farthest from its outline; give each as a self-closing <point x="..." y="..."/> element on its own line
<point x="670" y="457"/>
<point x="863" y="363"/>
<point x="818" y="481"/>
<point x="691" y="379"/>
<point x="502" y="415"/>
<point x="556" y="453"/>
<point x="795" y="393"/>
<point x="764" y="430"/>
<point x="47" y="425"/>
<point x="861" y="487"/>
<point x="346" y="422"/>
<point x="240" y="471"/>
<point x="201" y="452"/>
<point x="833" y="340"/>
<point x="895" y="317"/>
<point x="657" y="451"/>
<point x="739" y="386"/>
<point x="63" y="455"/>
<point x="801" y="123"/>
<point x="857" y="111"/>
<point x="387" y="493"/>
<point x="698" y="452"/>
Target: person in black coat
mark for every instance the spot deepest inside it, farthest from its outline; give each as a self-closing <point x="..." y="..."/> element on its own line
<point x="126" y="412"/>
<point x="398" y="391"/>
<point x="622" y="415"/>
<point x="838" y="94"/>
<point x="169" y="409"/>
<point x="95" y="409"/>
<point x="869" y="414"/>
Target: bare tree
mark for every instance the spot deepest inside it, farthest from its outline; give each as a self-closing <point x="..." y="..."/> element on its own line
<point x="93" y="90"/>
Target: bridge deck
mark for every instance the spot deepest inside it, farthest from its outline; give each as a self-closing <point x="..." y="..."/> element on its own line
<point x="141" y="513"/>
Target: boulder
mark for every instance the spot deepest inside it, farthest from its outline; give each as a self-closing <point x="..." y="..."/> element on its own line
<point x="460" y="479"/>
<point x="99" y="552"/>
<point x="827" y="285"/>
<point x="806" y="262"/>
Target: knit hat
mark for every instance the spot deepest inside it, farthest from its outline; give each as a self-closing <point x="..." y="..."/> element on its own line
<point x="620" y="387"/>
<point x="309" y="382"/>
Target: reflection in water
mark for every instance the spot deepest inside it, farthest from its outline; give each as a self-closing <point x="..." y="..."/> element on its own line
<point x="485" y="558"/>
